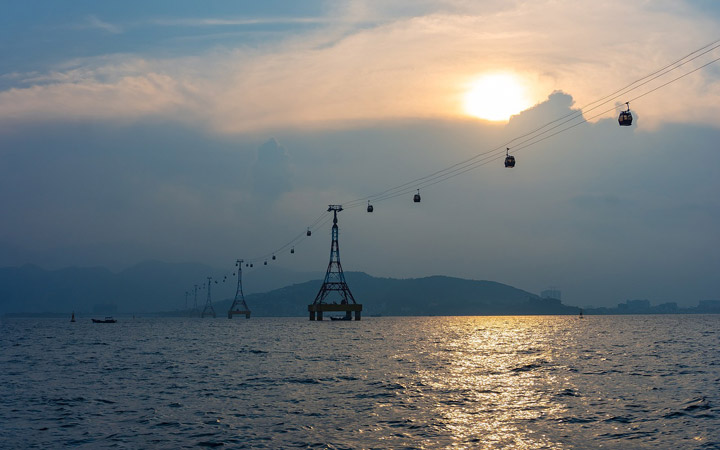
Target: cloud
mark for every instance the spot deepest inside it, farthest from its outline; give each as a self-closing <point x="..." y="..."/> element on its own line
<point x="414" y="62"/>
<point x="595" y="210"/>
<point x="234" y="22"/>
<point x="88" y="98"/>
<point x="93" y="22"/>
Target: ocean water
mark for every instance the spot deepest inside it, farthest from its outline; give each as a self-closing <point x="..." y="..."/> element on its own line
<point x="551" y="382"/>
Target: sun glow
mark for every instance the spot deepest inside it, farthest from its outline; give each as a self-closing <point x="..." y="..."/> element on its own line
<point x="496" y="97"/>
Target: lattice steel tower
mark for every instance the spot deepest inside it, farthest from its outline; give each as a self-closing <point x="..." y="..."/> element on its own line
<point x="239" y="306"/>
<point x="208" y="304"/>
<point x="334" y="282"/>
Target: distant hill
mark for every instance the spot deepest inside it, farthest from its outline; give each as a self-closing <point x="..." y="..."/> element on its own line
<point x="150" y="286"/>
<point x="154" y="286"/>
<point x="430" y="296"/>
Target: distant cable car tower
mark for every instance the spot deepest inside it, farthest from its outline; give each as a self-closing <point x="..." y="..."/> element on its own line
<point x="334" y="282"/>
<point x="238" y="305"/>
<point x="208" y="304"/>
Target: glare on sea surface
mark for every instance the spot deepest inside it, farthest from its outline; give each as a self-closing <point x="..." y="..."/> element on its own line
<point x="496" y="97"/>
<point x="494" y="381"/>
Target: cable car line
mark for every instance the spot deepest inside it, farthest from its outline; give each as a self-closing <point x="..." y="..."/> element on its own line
<point x="432" y="180"/>
<point x="569" y="117"/>
<point x="468" y="164"/>
<point x="626" y="88"/>
<point x="459" y="167"/>
<point x="483" y="158"/>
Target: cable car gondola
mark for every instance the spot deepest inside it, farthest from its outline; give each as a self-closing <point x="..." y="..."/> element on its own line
<point x="370" y="207"/>
<point x="265" y="263"/>
<point x="274" y="257"/>
<point x="292" y="250"/>
<point x="509" y="159"/>
<point x="309" y="233"/>
<point x="416" y="197"/>
<point x="625" y="117"/>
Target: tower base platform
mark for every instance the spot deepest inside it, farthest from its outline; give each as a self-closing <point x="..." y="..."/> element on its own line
<point x="316" y="310"/>
<point x="239" y="312"/>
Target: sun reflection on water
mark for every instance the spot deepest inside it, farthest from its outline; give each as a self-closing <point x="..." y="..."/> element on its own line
<point x="499" y="378"/>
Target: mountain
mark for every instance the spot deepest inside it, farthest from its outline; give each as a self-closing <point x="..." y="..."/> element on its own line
<point x="154" y="286"/>
<point x="149" y="286"/>
<point x="430" y="296"/>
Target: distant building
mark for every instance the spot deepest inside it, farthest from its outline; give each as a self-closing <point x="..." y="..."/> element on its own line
<point x="552" y="292"/>
<point x="634" y="306"/>
<point x="666" y="308"/>
<point x="709" y="306"/>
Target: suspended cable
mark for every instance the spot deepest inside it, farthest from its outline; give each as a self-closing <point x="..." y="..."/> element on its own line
<point x="390" y="193"/>
<point x="533" y="137"/>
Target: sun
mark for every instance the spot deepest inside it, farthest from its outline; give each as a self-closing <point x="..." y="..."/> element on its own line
<point x="496" y="97"/>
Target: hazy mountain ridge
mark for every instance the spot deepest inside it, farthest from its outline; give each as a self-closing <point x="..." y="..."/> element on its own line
<point x="154" y="286"/>
<point x="434" y="295"/>
<point x="158" y="287"/>
<point x="149" y="286"/>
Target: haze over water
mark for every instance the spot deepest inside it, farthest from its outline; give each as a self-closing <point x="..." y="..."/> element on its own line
<point x="630" y="382"/>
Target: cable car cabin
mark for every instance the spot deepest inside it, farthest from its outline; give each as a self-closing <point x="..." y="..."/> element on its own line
<point x="416" y="197"/>
<point x="309" y="233"/>
<point x="292" y="250"/>
<point x="370" y="208"/>
<point x="625" y="118"/>
<point x="509" y="160"/>
<point x="265" y="263"/>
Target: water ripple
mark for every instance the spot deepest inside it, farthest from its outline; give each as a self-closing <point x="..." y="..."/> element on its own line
<point x="424" y="383"/>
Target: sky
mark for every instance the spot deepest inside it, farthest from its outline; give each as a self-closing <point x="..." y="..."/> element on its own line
<point x="191" y="131"/>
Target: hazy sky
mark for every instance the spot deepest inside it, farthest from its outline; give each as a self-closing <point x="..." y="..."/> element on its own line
<point x="207" y="131"/>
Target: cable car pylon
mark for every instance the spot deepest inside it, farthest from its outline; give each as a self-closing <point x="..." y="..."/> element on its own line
<point x="334" y="282"/>
<point x="238" y="305"/>
<point x="208" y="310"/>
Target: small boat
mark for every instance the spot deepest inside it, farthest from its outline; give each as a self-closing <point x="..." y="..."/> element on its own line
<point x="105" y="320"/>
<point x="581" y="314"/>
<point x="72" y="319"/>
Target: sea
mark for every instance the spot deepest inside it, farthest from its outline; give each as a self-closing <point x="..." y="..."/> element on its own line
<point x="529" y="382"/>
